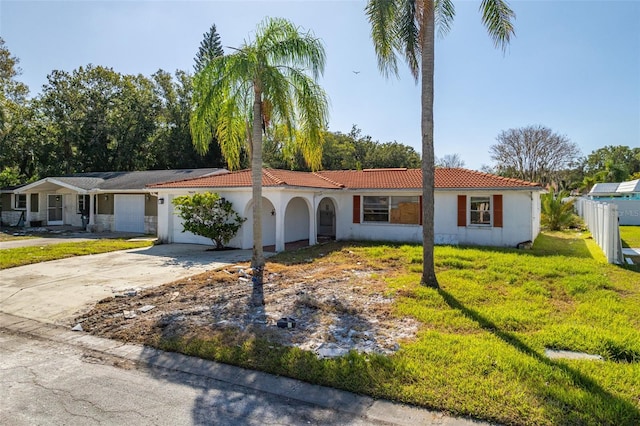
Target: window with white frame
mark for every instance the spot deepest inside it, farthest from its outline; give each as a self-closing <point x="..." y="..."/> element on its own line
<point x="83" y="204"/>
<point x="480" y="210"/>
<point x="20" y="202"/>
<point x="385" y="209"/>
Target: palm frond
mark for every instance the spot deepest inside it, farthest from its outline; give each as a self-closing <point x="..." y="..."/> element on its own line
<point x="444" y="11"/>
<point x="382" y="16"/>
<point x="408" y="30"/>
<point x="497" y="16"/>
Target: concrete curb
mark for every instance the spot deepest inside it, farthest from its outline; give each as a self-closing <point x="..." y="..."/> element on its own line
<point x="342" y="401"/>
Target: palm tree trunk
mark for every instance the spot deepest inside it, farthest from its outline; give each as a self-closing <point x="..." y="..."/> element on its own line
<point x="257" y="260"/>
<point x="428" y="177"/>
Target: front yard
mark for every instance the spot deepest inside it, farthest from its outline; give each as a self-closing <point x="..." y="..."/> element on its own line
<point x="475" y="347"/>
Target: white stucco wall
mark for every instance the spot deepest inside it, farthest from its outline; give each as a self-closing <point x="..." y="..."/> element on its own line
<point x="519" y="209"/>
<point x="290" y="215"/>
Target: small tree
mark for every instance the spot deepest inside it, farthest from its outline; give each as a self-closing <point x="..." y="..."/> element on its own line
<point x="556" y="214"/>
<point x="209" y="215"/>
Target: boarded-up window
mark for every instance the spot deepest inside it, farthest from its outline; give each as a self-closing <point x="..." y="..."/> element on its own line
<point x="385" y="209"/>
<point x="405" y="210"/>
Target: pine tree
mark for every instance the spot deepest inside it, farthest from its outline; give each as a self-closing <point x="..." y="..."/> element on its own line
<point x="210" y="47"/>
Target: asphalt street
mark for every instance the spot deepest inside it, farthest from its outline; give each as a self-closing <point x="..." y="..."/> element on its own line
<point x="45" y="382"/>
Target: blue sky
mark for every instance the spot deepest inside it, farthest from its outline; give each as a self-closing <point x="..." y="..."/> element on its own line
<point x="574" y="66"/>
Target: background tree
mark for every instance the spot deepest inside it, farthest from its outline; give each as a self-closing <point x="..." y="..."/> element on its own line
<point x="173" y="144"/>
<point x="263" y="82"/>
<point x="15" y="116"/>
<point x="619" y="162"/>
<point x="406" y="28"/>
<point x="450" y="161"/>
<point x="533" y="153"/>
<point x="210" y="47"/>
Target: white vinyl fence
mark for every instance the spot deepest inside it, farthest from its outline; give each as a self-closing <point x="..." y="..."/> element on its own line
<point x="602" y="221"/>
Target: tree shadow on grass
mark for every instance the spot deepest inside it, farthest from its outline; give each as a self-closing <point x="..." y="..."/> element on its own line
<point x="571" y="409"/>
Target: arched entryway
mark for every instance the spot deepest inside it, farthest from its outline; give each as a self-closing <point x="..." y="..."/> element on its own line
<point x="296" y="221"/>
<point x="326" y="219"/>
<point x="268" y="224"/>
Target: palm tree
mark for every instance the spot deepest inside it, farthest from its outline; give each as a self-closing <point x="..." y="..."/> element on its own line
<point x="406" y="28"/>
<point x="239" y="96"/>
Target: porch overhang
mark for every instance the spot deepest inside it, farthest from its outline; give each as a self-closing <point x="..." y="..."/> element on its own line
<point x="49" y="185"/>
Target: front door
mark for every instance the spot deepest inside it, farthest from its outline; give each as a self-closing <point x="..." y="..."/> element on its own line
<point x="54" y="209"/>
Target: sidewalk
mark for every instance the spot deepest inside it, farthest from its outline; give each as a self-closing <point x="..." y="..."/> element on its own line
<point x="341" y="401"/>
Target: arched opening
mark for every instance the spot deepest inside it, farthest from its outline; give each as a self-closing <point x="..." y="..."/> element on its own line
<point x="296" y="221"/>
<point x="326" y="219"/>
<point x="268" y="224"/>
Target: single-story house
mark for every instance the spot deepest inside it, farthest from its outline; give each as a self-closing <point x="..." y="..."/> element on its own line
<point x="102" y="201"/>
<point x="378" y="204"/>
<point x="626" y="195"/>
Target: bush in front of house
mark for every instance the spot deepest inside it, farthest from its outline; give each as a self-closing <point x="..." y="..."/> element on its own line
<point x="209" y="215"/>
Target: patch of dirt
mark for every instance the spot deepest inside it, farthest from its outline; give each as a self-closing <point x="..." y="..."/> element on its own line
<point x="337" y="305"/>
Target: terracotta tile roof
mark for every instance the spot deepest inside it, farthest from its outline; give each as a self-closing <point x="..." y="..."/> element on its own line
<point x="242" y="178"/>
<point x="356" y="179"/>
<point x="412" y="179"/>
<point x="463" y="178"/>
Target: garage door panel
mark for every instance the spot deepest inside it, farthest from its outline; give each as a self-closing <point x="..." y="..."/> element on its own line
<point x="129" y="213"/>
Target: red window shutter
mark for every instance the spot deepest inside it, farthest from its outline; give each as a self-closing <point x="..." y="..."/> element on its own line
<point x="462" y="210"/>
<point x="421" y="210"/>
<point x="497" y="211"/>
<point x="356" y="209"/>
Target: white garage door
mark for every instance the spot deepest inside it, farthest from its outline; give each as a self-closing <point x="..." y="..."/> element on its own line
<point x="129" y="213"/>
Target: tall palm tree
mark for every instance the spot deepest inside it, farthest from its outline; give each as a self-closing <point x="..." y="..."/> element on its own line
<point x="264" y="81"/>
<point x="406" y="28"/>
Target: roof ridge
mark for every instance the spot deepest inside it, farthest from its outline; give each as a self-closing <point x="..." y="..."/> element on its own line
<point x="504" y="178"/>
<point x="227" y="172"/>
<point x="274" y="177"/>
<point x="331" y="181"/>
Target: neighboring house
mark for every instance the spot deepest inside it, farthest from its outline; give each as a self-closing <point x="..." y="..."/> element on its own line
<point x="103" y="201"/>
<point x="625" y="195"/>
<point x="378" y="204"/>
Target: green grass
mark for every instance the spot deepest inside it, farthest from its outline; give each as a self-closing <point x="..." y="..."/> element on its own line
<point x="630" y="236"/>
<point x="480" y="349"/>
<point x="10" y="258"/>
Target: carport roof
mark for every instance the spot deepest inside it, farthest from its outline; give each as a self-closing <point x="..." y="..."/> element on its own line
<point x="398" y="178"/>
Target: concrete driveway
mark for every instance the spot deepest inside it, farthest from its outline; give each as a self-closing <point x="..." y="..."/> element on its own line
<point x="57" y="291"/>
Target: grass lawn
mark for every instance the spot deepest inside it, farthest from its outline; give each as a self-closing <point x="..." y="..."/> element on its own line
<point x="10" y="258"/>
<point x="630" y="236"/>
<point x="480" y="348"/>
